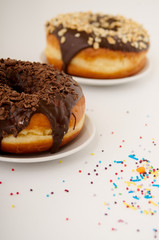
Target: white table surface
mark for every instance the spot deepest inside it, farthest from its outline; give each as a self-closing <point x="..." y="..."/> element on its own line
<point x="86" y="195"/>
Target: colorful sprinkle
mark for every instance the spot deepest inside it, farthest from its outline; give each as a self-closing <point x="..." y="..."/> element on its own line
<point x="133" y="156"/>
<point x="115" y="185"/>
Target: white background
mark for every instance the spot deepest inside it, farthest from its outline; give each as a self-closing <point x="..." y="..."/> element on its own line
<point x="127" y="112"/>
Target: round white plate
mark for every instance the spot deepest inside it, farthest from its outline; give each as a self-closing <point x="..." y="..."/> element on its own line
<point x="109" y="82"/>
<point x="84" y="138"/>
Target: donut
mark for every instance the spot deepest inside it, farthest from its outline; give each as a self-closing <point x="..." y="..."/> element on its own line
<point x="95" y="45"/>
<point x="41" y="108"/>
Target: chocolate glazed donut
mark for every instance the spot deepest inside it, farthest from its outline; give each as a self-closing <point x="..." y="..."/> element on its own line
<point x="27" y="88"/>
<point x="78" y="32"/>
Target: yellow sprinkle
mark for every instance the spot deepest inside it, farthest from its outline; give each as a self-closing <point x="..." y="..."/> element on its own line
<point x="60" y="161"/>
<point x="153" y="203"/>
<point x="130" y="206"/>
<point x="92" y="154"/>
<point x="129" y="183"/>
<point x="139" y="186"/>
<point x="133" y="170"/>
<point x="13" y="206"/>
<point x="123" y="160"/>
<point x="146" y="212"/>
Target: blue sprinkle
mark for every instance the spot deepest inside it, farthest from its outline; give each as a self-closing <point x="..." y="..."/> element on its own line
<point x="141" y="211"/>
<point x="100" y="161"/>
<point x="114" y="195"/>
<point x="141" y="176"/>
<point x="63" y="180"/>
<point x="155" y="185"/>
<point x="133" y="156"/>
<point x="130" y="191"/>
<point x="136" y="197"/>
<point x="115" y="185"/>
<point x="47" y="195"/>
<point x="118" y="161"/>
<point x="136" y="180"/>
<point x="147" y="196"/>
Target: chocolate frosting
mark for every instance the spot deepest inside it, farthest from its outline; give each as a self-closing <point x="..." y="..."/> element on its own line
<point x="107" y="31"/>
<point x="27" y="88"/>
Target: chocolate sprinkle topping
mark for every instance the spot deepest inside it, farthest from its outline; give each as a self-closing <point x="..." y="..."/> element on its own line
<point x="80" y="30"/>
<point x="27" y="88"/>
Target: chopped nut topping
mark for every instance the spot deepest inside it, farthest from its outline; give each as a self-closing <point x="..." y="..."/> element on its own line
<point x="62" y="32"/>
<point x="101" y="26"/>
<point x="90" y="40"/>
<point x="63" y="39"/>
<point x="96" y="45"/>
<point x="111" y="40"/>
<point x="98" y="40"/>
<point x="77" y="35"/>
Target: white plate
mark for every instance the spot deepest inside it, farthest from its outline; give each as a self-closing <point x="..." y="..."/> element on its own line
<point x="79" y="143"/>
<point x="109" y="82"/>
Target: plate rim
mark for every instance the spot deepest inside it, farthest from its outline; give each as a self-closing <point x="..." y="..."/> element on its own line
<point x="88" y="121"/>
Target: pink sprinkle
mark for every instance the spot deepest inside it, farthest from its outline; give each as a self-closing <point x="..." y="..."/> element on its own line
<point x="11" y="194"/>
<point x="66" y="190"/>
<point x="120" y="146"/>
<point x="120" y="221"/>
<point x="80" y="171"/>
<point x="17" y="193"/>
<point x="99" y="223"/>
<point x="0" y="182"/>
<point x="12" y="169"/>
<point x="67" y="219"/>
<point x="114" y="229"/>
